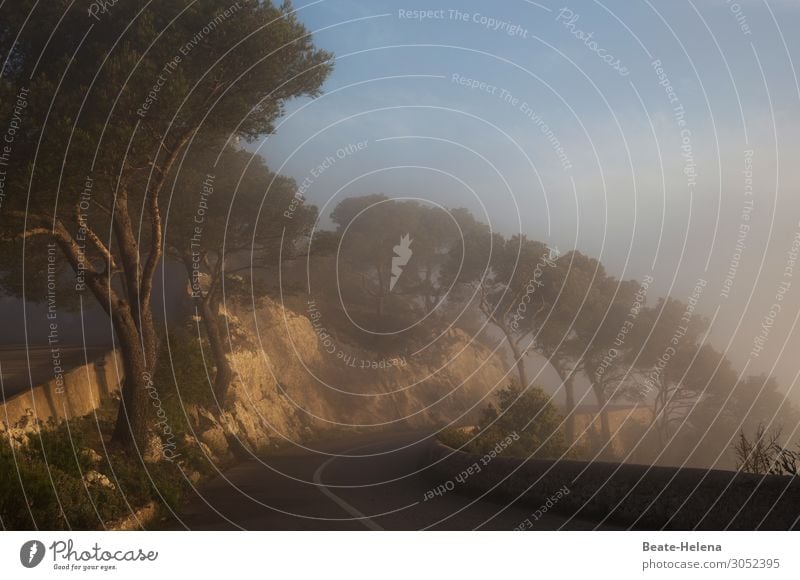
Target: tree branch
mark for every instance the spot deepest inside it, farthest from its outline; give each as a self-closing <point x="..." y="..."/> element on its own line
<point x="157" y="235"/>
<point x="111" y="264"/>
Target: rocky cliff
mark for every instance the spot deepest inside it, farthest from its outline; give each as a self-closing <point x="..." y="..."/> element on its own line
<point x="295" y="381"/>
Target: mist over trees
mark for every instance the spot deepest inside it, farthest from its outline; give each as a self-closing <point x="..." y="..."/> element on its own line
<point x="142" y="159"/>
<point x="614" y="337"/>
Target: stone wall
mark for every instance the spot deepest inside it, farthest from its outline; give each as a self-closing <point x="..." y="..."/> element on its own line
<point x="83" y="389"/>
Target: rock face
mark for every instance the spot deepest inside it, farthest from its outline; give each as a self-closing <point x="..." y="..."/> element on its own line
<point x="293" y="381"/>
<point x="96" y="478"/>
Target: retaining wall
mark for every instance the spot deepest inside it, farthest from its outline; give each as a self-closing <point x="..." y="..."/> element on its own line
<point x="82" y="392"/>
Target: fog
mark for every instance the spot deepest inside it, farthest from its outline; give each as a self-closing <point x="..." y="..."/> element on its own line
<point x="664" y="161"/>
<point x="660" y="140"/>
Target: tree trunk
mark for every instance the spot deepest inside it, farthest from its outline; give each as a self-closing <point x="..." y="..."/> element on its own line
<point x="569" y="392"/>
<point x="518" y="361"/>
<point x="130" y="430"/>
<point x="224" y="373"/>
<point x="136" y="330"/>
<point x="602" y="401"/>
<point x="567" y="376"/>
<point x="660" y="415"/>
<point x="208" y="308"/>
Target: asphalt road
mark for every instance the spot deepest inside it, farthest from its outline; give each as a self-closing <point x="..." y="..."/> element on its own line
<point x="352" y="483"/>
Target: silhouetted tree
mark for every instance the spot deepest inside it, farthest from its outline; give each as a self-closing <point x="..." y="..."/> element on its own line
<point x="230" y="227"/>
<point x="111" y="109"/>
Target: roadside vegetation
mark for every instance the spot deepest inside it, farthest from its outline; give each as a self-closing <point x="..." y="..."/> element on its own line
<point x="763" y="453"/>
<point x="68" y="475"/>
<point x="526" y="423"/>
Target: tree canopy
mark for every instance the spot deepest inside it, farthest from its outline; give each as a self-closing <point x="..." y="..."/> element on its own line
<point x="114" y="103"/>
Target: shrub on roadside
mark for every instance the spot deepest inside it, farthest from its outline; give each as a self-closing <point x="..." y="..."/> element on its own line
<point x="59" y="481"/>
<point x="528" y="416"/>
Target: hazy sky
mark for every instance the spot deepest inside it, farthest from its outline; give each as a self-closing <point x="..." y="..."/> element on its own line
<point x="622" y="128"/>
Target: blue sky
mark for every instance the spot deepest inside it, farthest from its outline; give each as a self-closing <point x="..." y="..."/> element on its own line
<point x="619" y="190"/>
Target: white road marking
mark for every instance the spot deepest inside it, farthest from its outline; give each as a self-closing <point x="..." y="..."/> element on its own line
<point x="343" y="504"/>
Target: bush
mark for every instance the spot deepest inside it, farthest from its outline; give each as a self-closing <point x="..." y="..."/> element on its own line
<point x="43" y="485"/>
<point x="43" y="482"/>
<point x="765" y="455"/>
<point x="528" y="416"/>
<point x="52" y="495"/>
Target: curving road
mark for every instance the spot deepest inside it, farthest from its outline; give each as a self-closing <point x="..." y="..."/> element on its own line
<point x="356" y="482"/>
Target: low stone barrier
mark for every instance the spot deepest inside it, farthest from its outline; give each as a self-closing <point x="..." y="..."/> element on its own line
<point x="83" y="389"/>
<point x="639" y="496"/>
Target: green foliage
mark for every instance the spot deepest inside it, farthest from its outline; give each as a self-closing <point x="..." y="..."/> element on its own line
<point x="182" y="376"/>
<point x="28" y="495"/>
<point x="528" y="417"/>
<point x="249" y="224"/>
<point x="182" y="384"/>
<point x="58" y="447"/>
<point x="45" y="485"/>
<point x="112" y="105"/>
